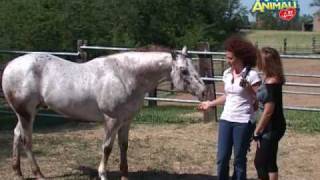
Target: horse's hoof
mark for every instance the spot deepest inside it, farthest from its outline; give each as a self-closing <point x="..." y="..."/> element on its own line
<point x="103" y="178"/>
<point x="18" y="178"/>
<point x="40" y="176"/>
<point x="124" y="178"/>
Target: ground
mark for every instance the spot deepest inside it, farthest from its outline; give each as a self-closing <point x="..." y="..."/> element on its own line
<point x="168" y="151"/>
<point x="155" y="152"/>
<point x="180" y="151"/>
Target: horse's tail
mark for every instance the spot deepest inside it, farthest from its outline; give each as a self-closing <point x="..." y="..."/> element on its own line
<point x="1" y="72"/>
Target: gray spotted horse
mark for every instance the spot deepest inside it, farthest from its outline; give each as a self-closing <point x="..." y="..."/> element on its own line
<point x="110" y="89"/>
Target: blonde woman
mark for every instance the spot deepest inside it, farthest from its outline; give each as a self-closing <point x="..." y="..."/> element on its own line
<point x="272" y="125"/>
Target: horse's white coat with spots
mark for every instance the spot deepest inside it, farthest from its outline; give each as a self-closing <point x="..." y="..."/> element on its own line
<point x="109" y="89"/>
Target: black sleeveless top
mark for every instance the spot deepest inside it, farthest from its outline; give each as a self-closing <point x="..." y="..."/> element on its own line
<point x="273" y="93"/>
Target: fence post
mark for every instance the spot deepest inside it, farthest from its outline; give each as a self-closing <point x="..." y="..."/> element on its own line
<point x="83" y="54"/>
<point x="152" y="93"/>
<point x="171" y="88"/>
<point x="222" y="67"/>
<point x="206" y="69"/>
<point x="285" y="46"/>
<point x="313" y="44"/>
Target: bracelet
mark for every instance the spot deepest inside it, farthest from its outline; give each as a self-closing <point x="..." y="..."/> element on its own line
<point x="257" y="137"/>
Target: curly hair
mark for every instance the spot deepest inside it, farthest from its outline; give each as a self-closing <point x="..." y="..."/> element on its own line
<point x="242" y="49"/>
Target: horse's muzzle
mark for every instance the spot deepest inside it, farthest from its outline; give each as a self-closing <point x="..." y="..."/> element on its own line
<point x="201" y="96"/>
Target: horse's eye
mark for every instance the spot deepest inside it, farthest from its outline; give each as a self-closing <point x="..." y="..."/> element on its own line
<point x="185" y="72"/>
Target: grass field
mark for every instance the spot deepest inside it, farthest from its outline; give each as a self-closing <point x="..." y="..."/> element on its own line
<point x="296" y="40"/>
<point x="300" y="121"/>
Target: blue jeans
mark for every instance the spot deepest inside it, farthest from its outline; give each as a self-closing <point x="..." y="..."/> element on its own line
<point x="237" y="135"/>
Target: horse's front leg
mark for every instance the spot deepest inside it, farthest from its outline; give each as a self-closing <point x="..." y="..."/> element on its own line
<point x="111" y="127"/>
<point x="123" y="135"/>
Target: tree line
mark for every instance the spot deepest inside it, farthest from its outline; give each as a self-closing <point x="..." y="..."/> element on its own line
<point x="56" y="25"/>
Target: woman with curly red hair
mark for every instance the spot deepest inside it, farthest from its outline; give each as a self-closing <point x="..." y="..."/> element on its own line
<point x="235" y="124"/>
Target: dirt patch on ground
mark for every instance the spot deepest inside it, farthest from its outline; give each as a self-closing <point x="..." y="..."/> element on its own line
<point x="156" y="152"/>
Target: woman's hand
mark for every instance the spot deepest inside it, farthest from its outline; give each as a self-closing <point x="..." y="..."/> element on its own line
<point x="257" y="144"/>
<point x="253" y="91"/>
<point x="257" y="138"/>
<point x="204" y="105"/>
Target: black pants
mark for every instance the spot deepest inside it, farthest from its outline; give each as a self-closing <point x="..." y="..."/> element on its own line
<point x="266" y="156"/>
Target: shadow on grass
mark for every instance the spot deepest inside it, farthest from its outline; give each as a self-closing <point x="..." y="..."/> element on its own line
<point x="45" y="124"/>
<point x="6" y="146"/>
<point x="92" y="174"/>
<point x="42" y="125"/>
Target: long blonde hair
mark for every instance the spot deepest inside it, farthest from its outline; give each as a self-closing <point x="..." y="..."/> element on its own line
<point x="270" y="64"/>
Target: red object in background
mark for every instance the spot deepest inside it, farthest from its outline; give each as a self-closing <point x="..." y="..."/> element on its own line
<point x="287" y="14"/>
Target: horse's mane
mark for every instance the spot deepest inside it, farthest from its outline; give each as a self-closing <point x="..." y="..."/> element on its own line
<point x="149" y="48"/>
<point x="154" y="48"/>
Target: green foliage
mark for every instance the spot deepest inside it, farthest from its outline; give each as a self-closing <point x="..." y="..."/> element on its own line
<point x="303" y="121"/>
<point x="315" y="3"/>
<point x="270" y="20"/>
<point x="55" y="25"/>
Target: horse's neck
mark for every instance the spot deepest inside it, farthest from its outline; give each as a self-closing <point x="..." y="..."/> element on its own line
<point x="149" y="68"/>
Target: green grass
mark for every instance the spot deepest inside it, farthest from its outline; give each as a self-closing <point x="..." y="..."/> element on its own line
<point x="301" y="121"/>
<point x="166" y="114"/>
<point x="295" y="39"/>
<point x="8" y="121"/>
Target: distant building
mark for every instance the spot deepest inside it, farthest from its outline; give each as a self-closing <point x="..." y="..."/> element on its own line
<point x="307" y="26"/>
<point x="316" y="22"/>
<point x="259" y="22"/>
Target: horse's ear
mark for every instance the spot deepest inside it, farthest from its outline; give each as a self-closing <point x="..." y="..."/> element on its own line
<point x="173" y="55"/>
<point x="184" y="51"/>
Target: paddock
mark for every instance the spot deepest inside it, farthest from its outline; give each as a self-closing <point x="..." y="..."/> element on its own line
<point x="174" y="150"/>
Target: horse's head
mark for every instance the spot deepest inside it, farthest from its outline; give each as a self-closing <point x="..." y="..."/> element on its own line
<point x="184" y="76"/>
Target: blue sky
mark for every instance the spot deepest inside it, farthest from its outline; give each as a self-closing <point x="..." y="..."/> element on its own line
<point x="304" y="6"/>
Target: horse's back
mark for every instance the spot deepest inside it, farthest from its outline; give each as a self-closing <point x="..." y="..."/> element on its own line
<point x="19" y="82"/>
<point x="24" y="68"/>
<point x="17" y="70"/>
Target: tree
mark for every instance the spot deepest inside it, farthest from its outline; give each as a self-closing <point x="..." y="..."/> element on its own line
<point x="270" y="20"/>
<point x="55" y="25"/>
<point x="316" y="3"/>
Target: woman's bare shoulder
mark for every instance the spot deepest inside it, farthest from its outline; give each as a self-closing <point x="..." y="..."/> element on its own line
<point x="272" y="80"/>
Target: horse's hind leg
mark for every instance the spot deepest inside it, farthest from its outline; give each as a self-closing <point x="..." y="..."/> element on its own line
<point x="123" y="135"/>
<point x="23" y="133"/>
<point x="16" y="152"/>
<point x="111" y="127"/>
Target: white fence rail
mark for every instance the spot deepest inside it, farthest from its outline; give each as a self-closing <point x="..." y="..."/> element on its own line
<point x="53" y="53"/>
<point x="309" y="57"/>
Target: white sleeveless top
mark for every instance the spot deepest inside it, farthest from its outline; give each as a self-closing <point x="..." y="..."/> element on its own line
<point x="239" y="102"/>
